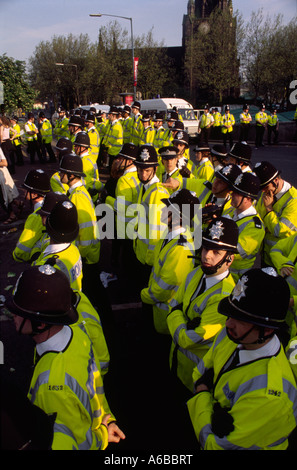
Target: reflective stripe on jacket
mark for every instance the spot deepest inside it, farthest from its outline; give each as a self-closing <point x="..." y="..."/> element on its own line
<point x="261" y="396"/>
<point x="193" y="322"/>
<point x="172" y="263"/>
<point x="69" y="383"/>
<point x="281" y="222"/>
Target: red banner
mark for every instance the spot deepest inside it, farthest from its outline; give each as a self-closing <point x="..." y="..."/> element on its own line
<point x="135" y="70"/>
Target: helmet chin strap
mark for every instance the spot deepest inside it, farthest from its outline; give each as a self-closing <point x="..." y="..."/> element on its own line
<point x="35" y="329"/>
<point x="261" y="338"/>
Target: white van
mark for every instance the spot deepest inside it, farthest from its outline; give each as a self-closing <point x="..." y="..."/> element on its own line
<point x="189" y="116"/>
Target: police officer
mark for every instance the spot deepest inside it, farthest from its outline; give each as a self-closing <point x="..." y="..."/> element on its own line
<point x="31" y="134"/>
<point x="241" y="155"/>
<point x="94" y="137"/>
<point x="149" y="226"/>
<point x="261" y="119"/>
<point x="46" y="132"/>
<point x="62" y="229"/>
<point x="203" y="167"/>
<point x="245" y="124"/>
<point x="193" y="319"/>
<point x="63" y="146"/>
<point x="277" y="206"/>
<point x="159" y="130"/>
<point x="168" y="167"/>
<point x="136" y="127"/>
<point x="126" y="123"/>
<point x="206" y="122"/>
<point x="66" y="379"/>
<point x="272" y="127"/>
<point x="75" y="125"/>
<point x="81" y="147"/>
<point x="245" y="389"/>
<point x="173" y="256"/>
<point x="61" y="127"/>
<point x="227" y="124"/>
<point x="148" y="133"/>
<point x="37" y="185"/>
<point x="184" y="164"/>
<point x="16" y="141"/>
<point x="113" y="137"/>
<point x="245" y="192"/>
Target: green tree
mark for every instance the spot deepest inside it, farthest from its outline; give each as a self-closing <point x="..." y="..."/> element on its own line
<point x="17" y="91"/>
<point x="269" y="56"/>
<point x="65" y="83"/>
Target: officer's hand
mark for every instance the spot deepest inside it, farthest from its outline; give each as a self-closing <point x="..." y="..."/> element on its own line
<point x="185" y="172"/>
<point x="221" y="421"/>
<point x="268" y="200"/>
<point x="206" y="380"/>
<point x="286" y="271"/>
<point x="171" y="183"/>
<point x="114" y="432"/>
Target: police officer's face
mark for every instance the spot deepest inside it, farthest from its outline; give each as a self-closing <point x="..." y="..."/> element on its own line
<point x="169" y="164"/>
<point x="236" y="199"/>
<point x="145" y="174"/>
<point x="238" y="329"/>
<point x="181" y="149"/>
<point x="219" y="187"/>
<point x="210" y="258"/>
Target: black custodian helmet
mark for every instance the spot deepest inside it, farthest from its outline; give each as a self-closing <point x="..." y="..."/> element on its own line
<point x="37" y="181"/>
<point x="43" y="294"/>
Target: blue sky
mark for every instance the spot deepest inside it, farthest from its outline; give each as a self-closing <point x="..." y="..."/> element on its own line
<point x="24" y="23"/>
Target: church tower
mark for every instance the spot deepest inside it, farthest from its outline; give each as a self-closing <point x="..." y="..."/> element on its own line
<point x="198" y="11"/>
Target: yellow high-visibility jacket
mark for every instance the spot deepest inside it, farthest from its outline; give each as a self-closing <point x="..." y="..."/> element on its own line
<point x="172" y="263"/>
<point x="127" y="191"/>
<point x="89" y="321"/>
<point x="113" y="138"/>
<point x="136" y="129"/>
<point x="260" y="395"/>
<point x="90" y="168"/>
<point x="94" y="143"/>
<point x="281" y="222"/>
<point x="204" y="170"/>
<point x="158" y="138"/>
<point x="61" y="128"/>
<point x="66" y="258"/>
<point x="250" y="239"/>
<point x="229" y="120"/>
<point x="149" y="227"/>
<point x="69" y="383"/>
<point x="261" y="118"/>
<point x="46" y="131"/>
<point x="57" y="185"/>
<point x="193" y="322"/>
<point x="29" y="240"/>
<point x="127" y="127"/>
<point x="88" y="240"/>
<point x="147" y="136"/>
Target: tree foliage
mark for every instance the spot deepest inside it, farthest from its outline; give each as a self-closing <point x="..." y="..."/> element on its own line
<point x="100" y="71"/>
<point x="269" y="56"/>
<point x="17" y="91"/>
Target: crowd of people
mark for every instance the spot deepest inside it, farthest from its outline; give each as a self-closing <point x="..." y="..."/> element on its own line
<point x="208" y="242"/>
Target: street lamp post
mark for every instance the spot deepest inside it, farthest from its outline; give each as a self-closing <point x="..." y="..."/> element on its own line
<point x="98" y="15"/>
<point x="62" y="64"/>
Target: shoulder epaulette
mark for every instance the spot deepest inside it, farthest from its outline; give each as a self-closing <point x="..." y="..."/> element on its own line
<point x="258" y="223"/>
